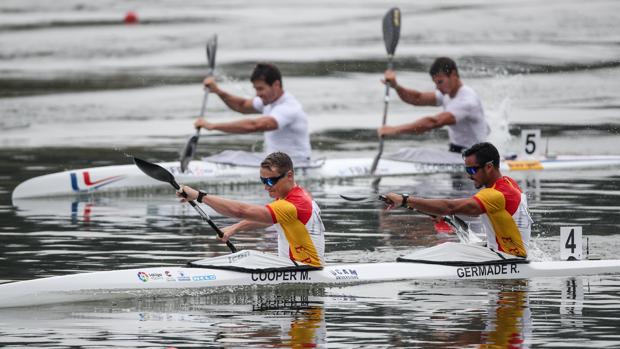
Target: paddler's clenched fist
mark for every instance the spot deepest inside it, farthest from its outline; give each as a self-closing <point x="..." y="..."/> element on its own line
<point x="211" y="85"/>
<point x="203" y="123"/>
<point x="187" y="193"/>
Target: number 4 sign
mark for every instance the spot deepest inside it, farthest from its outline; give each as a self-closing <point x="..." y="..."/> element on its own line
<point x="570" y="243"/>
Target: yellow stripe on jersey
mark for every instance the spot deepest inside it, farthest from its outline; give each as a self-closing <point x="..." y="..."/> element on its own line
<point x="302" y="248"/>
<point x="507" y="232"/>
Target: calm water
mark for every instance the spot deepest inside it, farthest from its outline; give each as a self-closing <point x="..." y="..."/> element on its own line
<point x="79" y="89"/>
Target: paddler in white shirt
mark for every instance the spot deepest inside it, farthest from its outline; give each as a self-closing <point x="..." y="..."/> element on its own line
<point x="462" y="113"/>
<point x="283" y="120"/>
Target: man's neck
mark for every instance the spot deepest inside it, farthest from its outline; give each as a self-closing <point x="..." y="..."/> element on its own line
<point x="287" y="190"/>
<point x="494" y="178"/>
<point x="455" y="90"/>
<point x="278" y="96"/>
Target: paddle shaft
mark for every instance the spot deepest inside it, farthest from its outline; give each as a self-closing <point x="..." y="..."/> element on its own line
<point x="453" y="220"/>
<point x="161" y="174"/>
<point x="204" y="103"/>
<point x="460" y="226"/>
<point x="386" y="102"/>
<point x="206" y="217"/>
<point x="190" y="148"/>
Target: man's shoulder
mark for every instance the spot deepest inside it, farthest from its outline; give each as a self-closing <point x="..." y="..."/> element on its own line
<point x="488" y="193"/>
<point x="287" y="105"/>
<point x="512" y="183"/>
<point x="298" y="192"/>
<point x="288" y="99"/>
<point x="466" y="92"/>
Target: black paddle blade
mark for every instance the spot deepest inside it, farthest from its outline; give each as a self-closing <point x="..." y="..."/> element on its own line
<point x="391" y="29"/>
<point x="156" y="172"/>
<point x="211" y="49"/>
<point x="351" y="198"/>
<point x="188" y="152"/>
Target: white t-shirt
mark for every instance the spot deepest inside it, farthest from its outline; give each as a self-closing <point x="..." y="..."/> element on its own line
<point x="292" y="136"/>
<point x="471" y="126"/>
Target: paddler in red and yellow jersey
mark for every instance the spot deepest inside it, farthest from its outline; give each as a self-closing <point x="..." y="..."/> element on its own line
<point x="295" y="215"/>
<point x="501" y="203"/>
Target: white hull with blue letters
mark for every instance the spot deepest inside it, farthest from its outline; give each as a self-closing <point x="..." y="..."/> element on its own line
<point x="174" y="280"/>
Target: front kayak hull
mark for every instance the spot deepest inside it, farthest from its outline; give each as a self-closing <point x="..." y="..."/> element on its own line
<point x="149" y="281"/>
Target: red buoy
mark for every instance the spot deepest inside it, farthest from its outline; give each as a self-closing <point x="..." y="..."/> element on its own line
<point x="131" y="18"/>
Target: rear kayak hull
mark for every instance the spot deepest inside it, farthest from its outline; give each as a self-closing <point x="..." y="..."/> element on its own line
<point x="129" y="177"/>
<point x="149" y="281"/>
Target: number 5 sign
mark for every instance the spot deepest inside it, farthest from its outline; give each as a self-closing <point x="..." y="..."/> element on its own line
<point x="570" y="243"/>
<point x="530" y="143"/>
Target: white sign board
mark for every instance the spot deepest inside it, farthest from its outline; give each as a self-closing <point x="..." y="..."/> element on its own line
<point x="530" y="144"/>
<point x="570" y="243"/>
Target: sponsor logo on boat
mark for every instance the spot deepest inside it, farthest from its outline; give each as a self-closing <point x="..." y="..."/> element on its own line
<point x="195" y="170"/>
<point x="90" y="185"/>
<point x="417" y="167"/>
<point x="486" y="270"/>
<point x="169" y="276"/>
<point x="182" y="277"/>
<point x="144" y="277"/>
<point x="281" y="275"/>
<point x="430" y="168"/>
<point x="344" y="274"/>
<point x="203" y="277"/>
<point x="524" y="165"/>
<point x="154" y="276"/>
<point x="238" y="256"/>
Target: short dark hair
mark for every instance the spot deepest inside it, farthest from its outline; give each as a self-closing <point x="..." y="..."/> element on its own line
<point x="278" y="160"/>
<point x="266" y="72"/>
<point x="485" y="152"/>
<point x="443" y="65"/>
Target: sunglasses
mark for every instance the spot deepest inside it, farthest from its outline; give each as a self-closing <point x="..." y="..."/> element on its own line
<point x="472" y="170"/>
<point x="271" y="181"/>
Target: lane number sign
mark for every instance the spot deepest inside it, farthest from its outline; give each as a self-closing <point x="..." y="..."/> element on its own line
<point x="570" y="243"/>
<point x="530" y="144"/>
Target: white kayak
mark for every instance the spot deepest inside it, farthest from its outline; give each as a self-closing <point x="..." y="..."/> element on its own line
<point x="217" y="170"/>
<point x="448" y="261"/>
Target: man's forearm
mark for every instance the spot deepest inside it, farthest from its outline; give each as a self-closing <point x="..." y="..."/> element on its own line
<point x="410" y="96"/>
<point x="239" y="126"/>
<point x="246" y="225"/>
<point x="422" y="125"/>
<point x="237" y="209"/>
<point x="431" y="206"/>
<point x="233" y="102"/>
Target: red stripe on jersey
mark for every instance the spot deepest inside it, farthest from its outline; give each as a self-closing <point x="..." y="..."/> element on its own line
<point x="302" y="202"/>
<point x="511" y="191"/>
<point x="484" y="209"/>
<point x="273" y="214"/>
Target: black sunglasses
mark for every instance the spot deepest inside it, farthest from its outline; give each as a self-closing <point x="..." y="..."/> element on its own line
<point x="471" y="170"/>
<point x="271" y="181"/>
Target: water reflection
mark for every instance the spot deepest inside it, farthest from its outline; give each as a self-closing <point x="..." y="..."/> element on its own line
<point x="292" y="318"/>
<point x="508" y="322"/>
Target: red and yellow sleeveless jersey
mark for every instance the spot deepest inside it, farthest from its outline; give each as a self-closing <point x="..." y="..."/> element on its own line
<point x="505" y="220"/>
<point x="301" y="234"/>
